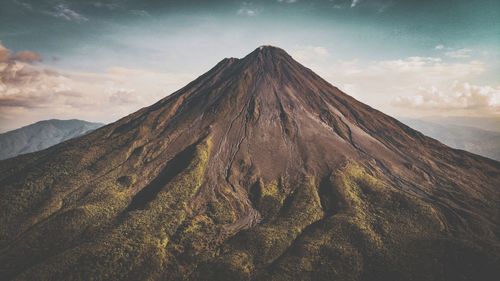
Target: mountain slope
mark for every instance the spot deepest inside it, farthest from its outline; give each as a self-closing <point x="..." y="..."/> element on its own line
<point x="475" y="140"/>
<point x="41" y="135"/>
<point x="259" y="169"/>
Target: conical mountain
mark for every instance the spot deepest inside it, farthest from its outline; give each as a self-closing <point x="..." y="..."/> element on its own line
<point x="257" y="170"/>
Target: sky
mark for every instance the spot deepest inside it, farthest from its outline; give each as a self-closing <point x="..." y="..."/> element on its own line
<point x="101" y="60"/>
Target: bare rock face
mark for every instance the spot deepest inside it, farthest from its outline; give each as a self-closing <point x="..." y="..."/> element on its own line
<point x="257" y="170"/>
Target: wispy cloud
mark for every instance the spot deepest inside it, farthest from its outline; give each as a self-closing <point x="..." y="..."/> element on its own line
<point x="247" y="12"/>
<point x="108" y="6"/>
<point x="248" y="9"/>
<point x="140" y="13"/>
<point x="308" y="54"/>
<point x="25" y="5"/>
<point x="459" y="54"/>
<point x="375" y="5"/>
<point x="63" y="11"/>
<point x="455" y="53"/>
<point x="121" y="95"/>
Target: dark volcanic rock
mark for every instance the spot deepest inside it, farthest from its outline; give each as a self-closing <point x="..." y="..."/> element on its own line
<point x="259" y="169"/>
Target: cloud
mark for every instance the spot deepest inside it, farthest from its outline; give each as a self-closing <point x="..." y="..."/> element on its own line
<point x="423" y="68"/>
<point x="31" y="92"/>
<point x="27" y="101"/>
<point x="377" y="5"/>
<point x="455" y="53"/>
<point x="24" y="85"/>
<point x="121" y="95"/>
<point x="22" y="56"/>
<point x="27" y="56"/>
<point x="459" y="54"/>
<point x="140" y="13"/>
<point x="25" y="5"/>
<point x="108" y="6"/>
<point x="12" y="74"/>
<point x="307" y="54"/>
<point x="288" y="1"/>
<point x="458" y="96"/>
<point x="247" y="9"/>
<point x="247" y="12"/>
<point x="4" y="54"/>
<point x="63" y="11"/>
<point x="16" y="69"/>
<point x="381" y="83"/>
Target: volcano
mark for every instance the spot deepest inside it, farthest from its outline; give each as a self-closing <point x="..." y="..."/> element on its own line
<point x="257" y="170"/>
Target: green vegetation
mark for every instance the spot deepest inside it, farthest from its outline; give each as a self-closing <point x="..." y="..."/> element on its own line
<point x="269" y="198"/>
<point x="137" y="245"/>
<point x="351" y="225"/>
<point x="261" y="245"/>
<point x="221" y="212"/>
<point x="367" y="232"/>
<point x="353" y="185"/>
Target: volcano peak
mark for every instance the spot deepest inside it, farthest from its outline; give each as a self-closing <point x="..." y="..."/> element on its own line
<point x="263" y="48"/>
<point x="269" y="53"/>
<point x="257" y="170"/>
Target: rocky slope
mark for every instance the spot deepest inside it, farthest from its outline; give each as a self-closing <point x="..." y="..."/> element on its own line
<point x="257" y="170"/>
<point x="41" y="135"/>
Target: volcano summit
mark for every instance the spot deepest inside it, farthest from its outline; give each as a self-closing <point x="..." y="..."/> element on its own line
<point x="257" y="170"/>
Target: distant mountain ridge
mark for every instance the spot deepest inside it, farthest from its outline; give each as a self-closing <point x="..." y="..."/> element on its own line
<point x="484" y="123"/>
<point x="479" y="141"/>
<point x="41" y="135"/>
